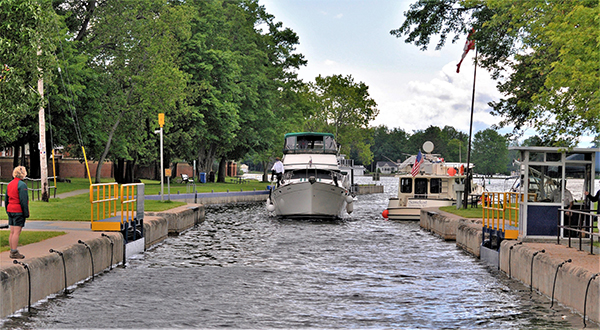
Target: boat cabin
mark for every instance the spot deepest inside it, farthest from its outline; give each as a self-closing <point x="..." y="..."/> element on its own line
<point x="434" y="182"/>
<point x="310" y="143"/>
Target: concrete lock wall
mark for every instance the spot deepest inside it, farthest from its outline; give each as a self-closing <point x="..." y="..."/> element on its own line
<point x="468" y="235"/>
<point x="156" y="229"/>
<point x="47" y="272"/>
<point x="181" y="218"/>
<point x="440" y="223"/>
<point x="571" y="280"/>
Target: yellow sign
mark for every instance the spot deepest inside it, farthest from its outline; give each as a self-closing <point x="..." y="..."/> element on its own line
<point x="161" y="119"/>
<point x="167" y="172"/>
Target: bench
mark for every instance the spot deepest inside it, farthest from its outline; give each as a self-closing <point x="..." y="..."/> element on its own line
<point x="186" y="179"/>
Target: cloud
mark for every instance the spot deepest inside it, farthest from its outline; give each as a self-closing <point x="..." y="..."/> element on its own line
<point x="443" y="100"/>
<point x="330" y="62"/>
<point x="339" y="15"/>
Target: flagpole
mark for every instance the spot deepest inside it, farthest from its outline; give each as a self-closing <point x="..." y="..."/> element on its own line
<point x="468" y="180"/>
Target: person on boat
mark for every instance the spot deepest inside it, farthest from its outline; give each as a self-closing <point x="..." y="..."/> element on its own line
<point x="591" y="197"/>
<point x="16" y="202"/>
<point x="556" y="198"/>
<point x="277" y="171"/>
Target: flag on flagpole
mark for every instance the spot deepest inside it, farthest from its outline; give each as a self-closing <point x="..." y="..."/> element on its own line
<point x="417" y="164"/>
<point x="470" y="44"/>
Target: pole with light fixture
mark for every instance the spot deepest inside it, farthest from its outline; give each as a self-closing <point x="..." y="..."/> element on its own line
<point x="161" y="123"/>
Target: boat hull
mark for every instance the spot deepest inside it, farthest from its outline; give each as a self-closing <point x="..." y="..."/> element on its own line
<point x="413" y="209"/>
<point x="306" y="200"/>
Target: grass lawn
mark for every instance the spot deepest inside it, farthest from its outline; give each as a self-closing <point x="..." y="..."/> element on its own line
<point x="27" y="237"/>
<point x="469" y="212"/>
<point x="152" y="187"/>
<point x="77" y="208"/>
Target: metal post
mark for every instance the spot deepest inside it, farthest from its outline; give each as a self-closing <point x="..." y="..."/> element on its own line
<point x="162" y="170"/>
<point x="467" y="181"/>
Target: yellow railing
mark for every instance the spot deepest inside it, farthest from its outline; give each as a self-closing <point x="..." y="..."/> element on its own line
<point x="128" y="200"/>
<point x="104" y="197"/>
<point x="501" y="212"/>
<point x="103" y="200"/>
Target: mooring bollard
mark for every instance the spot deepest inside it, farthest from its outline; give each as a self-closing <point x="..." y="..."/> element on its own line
<point x="585" y="298"/>
<point x="28" y="279"/>
<point x="554" y="284"/>
<point x="91" y="256"/>
<point x="509" y="254"/>
<point x="111" y="249"/>
<point x="64" y="267"/>
<point x="532" y="258"/>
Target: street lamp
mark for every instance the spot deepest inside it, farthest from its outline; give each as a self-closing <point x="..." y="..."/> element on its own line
<point x="161" y="122"/>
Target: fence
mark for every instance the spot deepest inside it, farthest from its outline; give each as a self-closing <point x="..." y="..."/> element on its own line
<point x="585" y="226"/>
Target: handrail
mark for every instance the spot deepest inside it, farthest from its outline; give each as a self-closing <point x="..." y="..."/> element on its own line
<point x="110" y="196"/>
<point x="580" y="229"/>
<point x="500" y="210"/>
<point x="128" y="197"/>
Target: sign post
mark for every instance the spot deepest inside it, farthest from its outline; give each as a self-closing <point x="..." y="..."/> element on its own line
<point x="161" y="123"/>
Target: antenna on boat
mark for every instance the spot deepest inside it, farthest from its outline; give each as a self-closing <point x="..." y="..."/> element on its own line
<point x="428" y="147"/>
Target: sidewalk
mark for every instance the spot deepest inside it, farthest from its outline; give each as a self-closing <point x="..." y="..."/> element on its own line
<point x="75" y="230"/>
<point x="73" y="193"/>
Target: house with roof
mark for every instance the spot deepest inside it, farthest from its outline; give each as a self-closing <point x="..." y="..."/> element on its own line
<point x="386" y="167"/>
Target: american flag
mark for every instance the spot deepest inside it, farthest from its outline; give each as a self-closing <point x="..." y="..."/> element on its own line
<point x="417" y="165"/>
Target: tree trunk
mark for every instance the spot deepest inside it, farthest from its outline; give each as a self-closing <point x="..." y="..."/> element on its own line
<point x="107" y="148"/>
<point x="23" y="156"/>
<point x="129" y="171"/>
<point x="16" y="150"/>
<point x="34" y="159"/>
<point x="222" y="170"/>
<point x="119" y="166"/>
<point x="174" y="171"/>
<point x="265" y="173"/>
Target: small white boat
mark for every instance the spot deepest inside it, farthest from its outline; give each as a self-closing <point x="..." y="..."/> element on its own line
<point x="435" y="184"/>
<point x="313" y="185"/>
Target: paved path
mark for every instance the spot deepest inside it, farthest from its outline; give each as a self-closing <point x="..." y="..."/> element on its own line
<point x="73" y="193"/>
<point x="76" y="230"/>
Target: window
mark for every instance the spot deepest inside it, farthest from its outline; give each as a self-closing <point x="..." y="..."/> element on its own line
<point x="290" y="143"/>
<point x="421" y="187"/>
<point x="543" y="181"/>
<point x="536" y="156"/>
<point x="406" y="185"/>
<point x="435" y="186"/>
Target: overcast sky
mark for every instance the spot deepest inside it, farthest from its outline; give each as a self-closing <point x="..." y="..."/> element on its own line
<point x="414" y="89"/>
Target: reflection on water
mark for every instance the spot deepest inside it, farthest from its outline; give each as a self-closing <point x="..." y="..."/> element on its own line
<point x="244" y="269"/>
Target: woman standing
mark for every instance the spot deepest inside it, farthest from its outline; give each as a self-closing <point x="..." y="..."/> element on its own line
<point x="17" y="208"/>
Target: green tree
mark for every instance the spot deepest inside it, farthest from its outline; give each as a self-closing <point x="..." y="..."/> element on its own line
<point x="344" y="108"/>
<point x="28" y="36"/>
<point x="490" y="152"/>
<point x="545" y="52"/>
<point x="133" y="48"/>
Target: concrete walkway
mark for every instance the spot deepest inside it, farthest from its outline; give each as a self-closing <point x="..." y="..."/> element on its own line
<point x="76" y="230"/>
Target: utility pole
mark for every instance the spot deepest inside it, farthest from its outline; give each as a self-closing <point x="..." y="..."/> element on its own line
<point x="42" y="144"/>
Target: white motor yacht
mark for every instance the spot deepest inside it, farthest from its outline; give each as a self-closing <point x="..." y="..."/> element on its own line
<point x="313" y="185"/>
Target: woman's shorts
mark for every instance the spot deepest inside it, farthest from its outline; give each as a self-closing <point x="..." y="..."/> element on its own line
<point x="16" y="219"/>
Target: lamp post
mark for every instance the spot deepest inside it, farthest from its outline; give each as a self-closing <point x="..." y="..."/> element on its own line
<point x="161" y="122"/>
